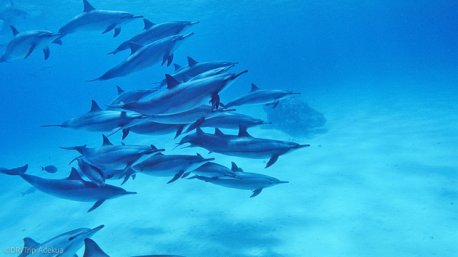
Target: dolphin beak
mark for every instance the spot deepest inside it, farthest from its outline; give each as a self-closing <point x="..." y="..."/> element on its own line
<point x="238" y="75"/>
<point x="194" y="22"/>
<point x="96" y="229"/>
<point x="187" y="35"/>
<point x="302" y="146"/>
<point x="283" y="182"/>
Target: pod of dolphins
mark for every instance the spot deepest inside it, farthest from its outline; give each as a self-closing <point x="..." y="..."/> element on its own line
<point x="185" y="101"/>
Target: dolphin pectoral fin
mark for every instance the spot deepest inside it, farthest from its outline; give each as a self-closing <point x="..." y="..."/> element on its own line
<point x="46" y="53"/>
<point x="177" y="176"/>
<point x="169" y="60"/>
<point x="32" y="47"/>
<point x="179" y="131"/>
<point x="215" y="100"/>
<point x="96" y="205"/>
<point x="272" y="160"/>
<point x="256" y="192"/>
<point x="109" y="28"/>
<point x="117" y="30"/>
<point x="57" y="41"/>
<point x="275" y="104"/>
<point x="14" y="30"/>
<point x="195" y="125"/>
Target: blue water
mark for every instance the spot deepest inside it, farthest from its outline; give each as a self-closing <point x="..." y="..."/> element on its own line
<point x="381" y="181"/>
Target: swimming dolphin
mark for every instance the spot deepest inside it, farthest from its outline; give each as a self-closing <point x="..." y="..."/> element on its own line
<point x="92" y="19"/>
<point x="63" y="245"/>
<point x="242" y="145"/>
<point x="183" y="97"/>
<point x="72" y="188"/>
<point x="229" y="120"/>
<point x="99" y="175"/>
<point x="92" y="249"/>
<point x="153" y="32"/>
<point x="100" y="120"/>
<point x="149" y="127"/>
<point x="174" y="166"/>
<point x="243" y="180"/>
<point x="143" y="57"/>
<point x="24" y="43"/>
<point x="195" y="68"/>
<point x="110" y="156"/>
<point x="211" y="170"/>
<point x="130" y="96"/>
<point x="260" y="96"/>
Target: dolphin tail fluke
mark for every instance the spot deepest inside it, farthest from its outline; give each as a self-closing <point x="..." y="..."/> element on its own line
<point x="96" y="205"/>
<point x="256" y="192"/>
<point x="176" y="177"/>
<point x="91" y="248"/>
<point x="195" y="125"/>
<point x="46" y="53"/>
<point x="129" y="172"/>
<point x="271" y="161"/>
<point x="19" y="171"/>
<point x="117" y="31"/>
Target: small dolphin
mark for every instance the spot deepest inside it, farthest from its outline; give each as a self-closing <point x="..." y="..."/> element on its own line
<point x="260" y="96"/>
<point x="63" y="245"/>
<point x="143" y="57"/>
<point x="182" y="97"/>
<point x="229" y="120"/>
<point x="242" y="145"/>
<point x="92" y="249"/>
<point x="24" y="43"/>
<point x="149" y="127"/>
<point x="171" y="165"/>
<point x="100" y="120"/>
<point x="243" y="180"/>
<point x="130" y="96"/>
<point x="195" y="68"/>
<point x="211" y="170"/>
<point x="92" y="19"/>
<point x="71" y="188"/>
<point x="49" y="168"/>
<point x="153" y="32"/>
<point x="113" y="157"/>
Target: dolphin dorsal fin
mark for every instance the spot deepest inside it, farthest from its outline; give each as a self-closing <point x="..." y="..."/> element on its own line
<point x="134" y="47"/>
<point x="74" y="175"/>
<point x="106" y="141"/>
<point x="120" y="90"/>
<point x="243" y="132"/>
<point x="95" y="107"/>
<point x="92" y="249"/>
<point x="198" y="155"/>
<point x="218" y="132"/>
<point x="171" y="81"/>
<point x="191" y="61"/>
<point x="29" y="243"/>
<point x="147" y="24"/>
<point x="14" y="30"/>
<point x="254" y="87"/>
<point x="199" y="131"/>
<point x="235" y="168"/>
<point x="123" y="115"/>
<point x="87" y="6"/>
<point x="177" y="66"/>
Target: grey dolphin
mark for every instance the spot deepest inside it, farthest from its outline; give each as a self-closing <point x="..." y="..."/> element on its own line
<point x="243" y="180"/>
<point x="92" y="19"/>
<point x="150" y="127"/>
<point x="174" y="166"/>
<point x="211" y="169"/>
<point x="100" y="120"/>
<point x="24" y="43"/>
<point x="130" y="96"/>
<point x="185" y="96"/>
<point x="153" y="32"/>
<point x="195" y="68"/>
<point x="63" y="245"/>
<point x="229" y="120"/>
<point x="71" y="188"/>
<point x="260" y="96"/>
<point x="242" y="145"/>
<point x="110" y="156"/>
<point x="143" y="57"/>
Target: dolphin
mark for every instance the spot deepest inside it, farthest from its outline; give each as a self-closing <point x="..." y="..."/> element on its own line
<point x="260" y="96"/>
<point x="100" y="120"/>
<point x="110" y="156"/>
<point x="195" y="68"/>
<point x="24" y="43"/>
<point x="143" y="57"/>
<point x="63" y="245"/>
<point x="99" y="175"/>
<point x="242" y="145"/>
<point x="153" y="32"/>
<point x="149" y="127"/>
<point x="130" y="96"/>
<point x="212" y="169"/>
<point x="183" y="97"/>
<point x="171" y="165"/>
<point x="92" y="19"/>
<point x="72" y="188"/>
<point x="229" y="120"/>
<point x="243" y="180"/>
